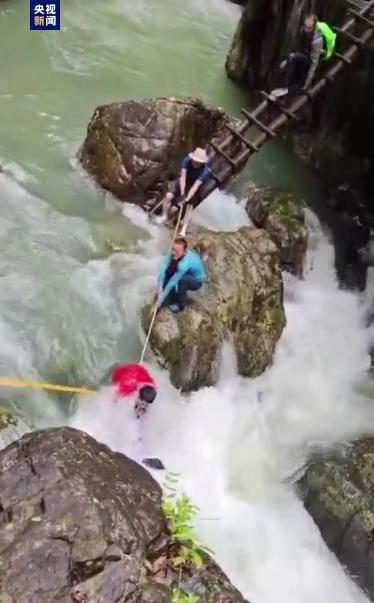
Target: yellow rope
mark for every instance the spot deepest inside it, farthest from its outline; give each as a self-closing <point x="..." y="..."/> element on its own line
<point x="29" y="383"/>
<point x="7" y="382"/>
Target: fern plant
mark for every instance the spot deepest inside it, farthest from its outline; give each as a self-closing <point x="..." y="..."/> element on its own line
<point x="179" y="596"/>
<point x="181" y="514"/>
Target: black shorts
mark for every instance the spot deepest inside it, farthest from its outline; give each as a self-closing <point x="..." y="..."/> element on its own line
<point x="175" y="190"/>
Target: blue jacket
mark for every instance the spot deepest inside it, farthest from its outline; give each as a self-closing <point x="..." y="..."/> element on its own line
<point x="190" y="265"/>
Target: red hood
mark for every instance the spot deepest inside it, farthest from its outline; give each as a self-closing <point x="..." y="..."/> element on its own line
<point x="129" y="378"/>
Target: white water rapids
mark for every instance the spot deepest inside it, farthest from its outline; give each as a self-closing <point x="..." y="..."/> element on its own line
<point x="236" y="445"/>
<point x="68" y="311"/>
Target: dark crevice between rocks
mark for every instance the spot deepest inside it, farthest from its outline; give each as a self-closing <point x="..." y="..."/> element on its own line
<point x="42" y="506"/>
<point x="83" y="570"/>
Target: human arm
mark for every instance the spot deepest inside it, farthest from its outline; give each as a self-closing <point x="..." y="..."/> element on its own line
<point x="161" y="275"/>
<point x="182" y="181"/>
<point x="183" y="176"/>
<point x="315" y="55"/>
<point x="203" y="177"/>
<point x="173" y="282"/>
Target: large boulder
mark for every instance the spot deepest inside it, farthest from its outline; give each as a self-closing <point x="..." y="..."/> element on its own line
<point x="282" y="216"/>
<point x="339" y="494"/>
<point x="80" y="523"/>
<point x="242" y="301"/>
<point x="132" y="148"/>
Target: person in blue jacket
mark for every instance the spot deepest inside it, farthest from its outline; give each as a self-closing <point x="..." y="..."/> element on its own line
<point x="182" y="270"/>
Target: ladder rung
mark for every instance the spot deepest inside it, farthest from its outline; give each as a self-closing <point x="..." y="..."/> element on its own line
<point x="363" y="10"/>
<point x="329" y="77"/>
<point x="224" y="155"/>
<point x="354" y="39"/>
<point x="361" y="17"/>
<point x="343" y="58"/>
<point x="274" y="101"/>
<point x="258" y="123"/>
<point x="244" y="140"/>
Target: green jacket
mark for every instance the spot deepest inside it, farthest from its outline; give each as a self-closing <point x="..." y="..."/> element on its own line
<point x="329" y="37"/>
<point x="322" y="48"/>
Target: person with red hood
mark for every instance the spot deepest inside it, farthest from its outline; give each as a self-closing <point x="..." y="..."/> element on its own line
<point x="130" y="379"/>
<point x="134" y="380"/>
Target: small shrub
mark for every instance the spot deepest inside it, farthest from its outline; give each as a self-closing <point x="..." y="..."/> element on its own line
<point x="181" y="513"/>
<point x="179" y="596"/>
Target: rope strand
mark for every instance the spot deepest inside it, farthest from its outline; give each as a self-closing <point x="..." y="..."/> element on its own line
<point x="154" y="314"/>
<point x="8" y="382"/>
<point x="31" y="384"/>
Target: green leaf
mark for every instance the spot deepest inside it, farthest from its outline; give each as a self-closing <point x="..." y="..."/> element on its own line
<point x="196" y="559"/>
<point x="178" y="561"/>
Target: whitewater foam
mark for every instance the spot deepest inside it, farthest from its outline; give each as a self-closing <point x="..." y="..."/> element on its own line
<point x="236" y="444"/>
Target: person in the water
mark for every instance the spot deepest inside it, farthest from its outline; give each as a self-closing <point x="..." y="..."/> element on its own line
<point x="130" y="379"/>
<point x="133" y="380"/>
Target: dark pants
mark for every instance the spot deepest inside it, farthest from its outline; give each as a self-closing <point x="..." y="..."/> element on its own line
<point x="175" y="189"/>
<point x="179" y="294"/>
<point x="296" y="70"/>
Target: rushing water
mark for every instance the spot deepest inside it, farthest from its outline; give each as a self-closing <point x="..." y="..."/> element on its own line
<point x="68" y="309"/>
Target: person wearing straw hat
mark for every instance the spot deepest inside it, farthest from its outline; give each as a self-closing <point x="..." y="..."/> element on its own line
<point x="185" y="189"/>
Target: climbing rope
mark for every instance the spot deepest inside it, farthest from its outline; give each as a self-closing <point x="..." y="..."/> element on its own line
<point x="31" y="384"/>
<point x="7" y="382"/>
<point x="155" y="309"/>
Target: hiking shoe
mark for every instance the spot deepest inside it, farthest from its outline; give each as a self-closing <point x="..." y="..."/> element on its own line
<point x="278" y="92"/>
<point x="175" y="308"/>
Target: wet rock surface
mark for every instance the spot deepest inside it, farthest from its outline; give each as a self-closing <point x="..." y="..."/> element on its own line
<point x="242" y="301"/>
<point x="132" y="148"/>
<point x="282" y="216"/>
<point x="339" y="494"/>
<point x="80" y="523"/>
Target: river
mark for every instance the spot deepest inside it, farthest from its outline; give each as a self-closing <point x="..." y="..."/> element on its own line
<point x="68" y="310"/>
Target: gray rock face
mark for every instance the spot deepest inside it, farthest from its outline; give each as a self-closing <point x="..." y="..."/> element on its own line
<point x="242" y="300"/>
<point x="339" y="494"/>
<point x="74" y="515"/>
<point x="80" y="523"/>
<point x="282" y="216"/>
<point x="133" y="148"/>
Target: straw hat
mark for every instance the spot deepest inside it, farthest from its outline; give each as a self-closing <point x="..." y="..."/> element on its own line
<point x="199" y="155"/>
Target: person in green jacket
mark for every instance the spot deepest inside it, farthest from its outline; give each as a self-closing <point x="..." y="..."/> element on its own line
<point x="317" y="42"/>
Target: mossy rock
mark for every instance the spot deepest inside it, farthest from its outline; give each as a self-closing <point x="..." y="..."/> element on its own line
<point x="241" y="301"/>
<point x="81" y="522"/>
<point x="339" y="494"/>
<point x="7" y="418"/>
<point x="282" y="216"/>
